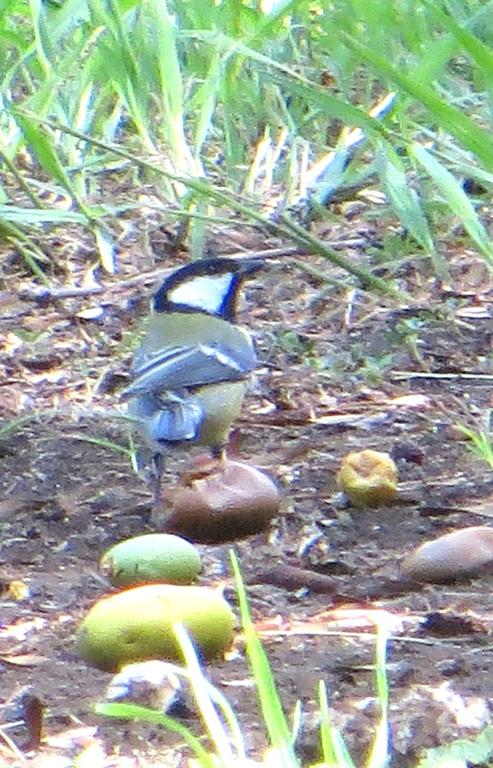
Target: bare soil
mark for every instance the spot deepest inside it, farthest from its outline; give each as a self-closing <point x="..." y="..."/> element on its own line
<point x="354" y="372"/>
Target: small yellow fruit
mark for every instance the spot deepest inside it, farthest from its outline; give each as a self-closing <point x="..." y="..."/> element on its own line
<point x="137" y="624"/>
<point x="154" y="557"/>
<point x="369" y="478"/>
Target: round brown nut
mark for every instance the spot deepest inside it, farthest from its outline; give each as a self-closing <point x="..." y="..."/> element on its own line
<point x="229" y="502"/>
<point x="456" y="555"/>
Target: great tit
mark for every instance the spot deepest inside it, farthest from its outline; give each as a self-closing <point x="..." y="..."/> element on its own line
<point x="189" y="376"/>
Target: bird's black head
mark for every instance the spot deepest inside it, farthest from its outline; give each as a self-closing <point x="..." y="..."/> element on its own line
<point x="210" y="286"/>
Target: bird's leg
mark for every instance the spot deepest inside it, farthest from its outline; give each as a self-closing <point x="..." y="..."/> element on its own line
<point x="219" y="452"/>
<point x="156" y="483"/>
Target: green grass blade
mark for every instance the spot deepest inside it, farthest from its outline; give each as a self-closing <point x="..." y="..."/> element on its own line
<point x="106" y="248"/>
<point x="35" y="217"/>
<point x="118" y="60"/>
<point x="49" y="159"/>
<point x="379" y="755"/>
<point x="203" y="697"/>
<point x="334" y="751"/>
<point x="205" y="101"/>
<point x="172" y="89"/>
<point x="270" y="703"/>
<point x="481" y="443"/>
<point x="456" y="198"/>
<point x="134" y="712"/>
<point x="106" y="444"/>
<point x="40" y="34"/>
<point x="406" y="204"/>
<point x="44" y="150"/>
<point x="478" y="140"/>
<point x="28" y="249"/>
<point x="478" y="51"/>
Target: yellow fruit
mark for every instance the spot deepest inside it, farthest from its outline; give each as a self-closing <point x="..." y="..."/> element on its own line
<point x="154" y="557"/>
<point x="137" y="624"/>
<point x="369" y="478"/>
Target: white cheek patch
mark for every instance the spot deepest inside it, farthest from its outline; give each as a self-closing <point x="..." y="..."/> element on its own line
<point x="206" y="292"/>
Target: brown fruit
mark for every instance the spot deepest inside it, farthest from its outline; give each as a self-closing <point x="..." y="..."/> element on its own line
<point x="454" y="556"/>
<point x="223" y="502"/>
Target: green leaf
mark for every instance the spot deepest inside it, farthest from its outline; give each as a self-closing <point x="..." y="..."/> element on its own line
<point x="462" y="752"/>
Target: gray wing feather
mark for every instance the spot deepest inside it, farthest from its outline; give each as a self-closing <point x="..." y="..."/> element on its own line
<point x="179" y="367"/>
<point x="181" y="421"/>
<point x="168" y="419"/>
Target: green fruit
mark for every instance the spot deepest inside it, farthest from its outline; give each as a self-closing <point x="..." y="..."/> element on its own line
<point x="155" y="557"/>
<point x="137" y="624"/>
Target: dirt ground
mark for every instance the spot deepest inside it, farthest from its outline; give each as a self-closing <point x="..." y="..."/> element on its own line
<point x="354" y="371"/>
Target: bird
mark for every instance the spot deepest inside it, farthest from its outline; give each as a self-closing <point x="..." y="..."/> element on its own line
<point x="189" y="376"/>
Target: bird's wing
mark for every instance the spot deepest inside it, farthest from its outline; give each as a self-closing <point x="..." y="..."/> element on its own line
<point x="168" y="418"/>
<point x="176" y="368"/>
<point x="178" y="420"/>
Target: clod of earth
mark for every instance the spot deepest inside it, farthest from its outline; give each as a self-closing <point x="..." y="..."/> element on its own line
<point x="369" y="478"/>
<point x="456" y="555"/>
<point x="227" y="501"/>
<point x="137" y="624"/>
<point x="151" y="684"/>
<point x="154" y="557"/>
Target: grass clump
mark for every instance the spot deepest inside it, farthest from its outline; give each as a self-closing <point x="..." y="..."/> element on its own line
<point x="272" y="104"/>
<point x="480" y="440"/>
<point x="225" y="732"/>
